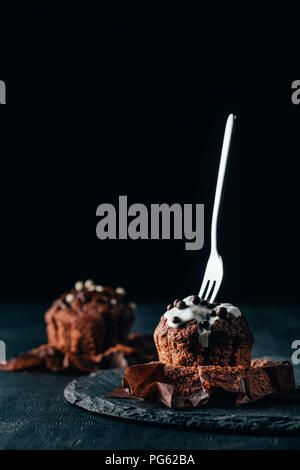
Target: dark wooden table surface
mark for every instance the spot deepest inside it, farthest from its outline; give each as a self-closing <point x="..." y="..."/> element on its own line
<point x="35" y="415"/>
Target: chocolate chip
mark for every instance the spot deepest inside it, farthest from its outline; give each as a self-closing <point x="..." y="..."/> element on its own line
<point x="195" y="299"/>
<point x="176" y="320"/>
<point x="204" y="324"/>
<point x="169" y="307"/>
<point x="204" y="302"/>
<point x="181" y="305"/>
<point x="212" y="305"/>
<point x="213" y="313"/>
<point x="222" y="313"/>
<point x="175" y="302"/>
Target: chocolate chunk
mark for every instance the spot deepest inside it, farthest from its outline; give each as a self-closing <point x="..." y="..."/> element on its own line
<point x="169" y="307"/>
<point x="278" y="380"/>
<point x="176" y="320"/>
<point x="213" y="305"/>
<point x="175" y="302"/>
<point x="222" y="313"/>
<point x="187" y="387"/>
<point x="195" y="299"/>
<point x="157" y="382"/>
<point x="213" y="313"/>
<point x="204" y="303"/>
<point x="181" y="305"/>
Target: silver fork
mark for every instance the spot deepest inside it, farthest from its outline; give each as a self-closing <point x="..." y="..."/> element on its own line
<point x="214" y="270"/>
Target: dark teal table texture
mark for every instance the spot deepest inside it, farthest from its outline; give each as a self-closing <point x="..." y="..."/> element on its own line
<point x="35" y="415"/>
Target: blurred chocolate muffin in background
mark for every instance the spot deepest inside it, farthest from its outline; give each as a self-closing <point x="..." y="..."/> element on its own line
<point x="89" y="319"/>
<point x="88" y="329"/>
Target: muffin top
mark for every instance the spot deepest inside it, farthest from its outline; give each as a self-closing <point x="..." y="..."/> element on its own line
<point x="86" y="295"/>
<point x="208" y="316"/>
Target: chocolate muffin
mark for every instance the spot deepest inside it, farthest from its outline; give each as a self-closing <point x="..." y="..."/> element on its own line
<point x="194" y="332"/>
<point x="89" y="319"/>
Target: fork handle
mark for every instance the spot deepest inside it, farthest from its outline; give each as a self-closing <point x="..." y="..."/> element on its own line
<point x="220" y="181"/>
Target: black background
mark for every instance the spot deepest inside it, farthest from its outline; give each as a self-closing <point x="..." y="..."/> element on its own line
<point x="102" y="104"/>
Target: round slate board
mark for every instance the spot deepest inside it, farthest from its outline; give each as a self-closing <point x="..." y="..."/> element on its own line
<point x="88" y="393"/>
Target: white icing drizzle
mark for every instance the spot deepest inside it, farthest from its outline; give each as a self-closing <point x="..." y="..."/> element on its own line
<point x="203" y="337"/>
<point x="198" y="312"/>
<point x="192" y="312"/>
